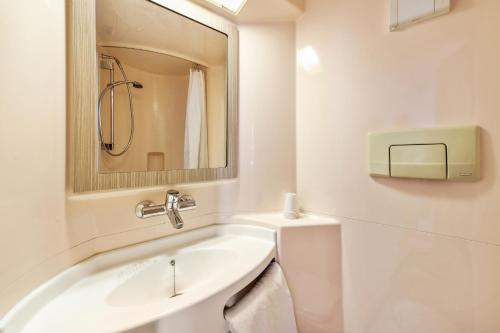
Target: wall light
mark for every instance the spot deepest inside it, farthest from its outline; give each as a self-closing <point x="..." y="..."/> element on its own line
<point x="234" y="6"/>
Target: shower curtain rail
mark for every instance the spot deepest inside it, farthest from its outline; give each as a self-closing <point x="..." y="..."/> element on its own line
<point x="154" y="50"/>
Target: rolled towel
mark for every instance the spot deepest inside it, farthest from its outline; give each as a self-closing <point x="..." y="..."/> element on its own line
<point x="267" y="308"/>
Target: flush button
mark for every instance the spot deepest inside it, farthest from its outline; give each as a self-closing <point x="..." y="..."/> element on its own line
<point x="428" y="161"/>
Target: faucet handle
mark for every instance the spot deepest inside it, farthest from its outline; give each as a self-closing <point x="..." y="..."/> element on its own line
<point x="172" y="195"/>
<point x="145" y="209"/>
<point x="172" y="199"/>
<point x="186" y="202"/>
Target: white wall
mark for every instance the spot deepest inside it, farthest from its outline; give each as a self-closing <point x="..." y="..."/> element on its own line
<point x="267" y="114"/>
<point x="44" y="229"/>
<point x="216" y="115"/>
<point x="419" y="256"/>
<point x="32" y="129"/>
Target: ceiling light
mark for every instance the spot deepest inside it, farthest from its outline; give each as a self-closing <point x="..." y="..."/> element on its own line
<point x="234" y="6"/>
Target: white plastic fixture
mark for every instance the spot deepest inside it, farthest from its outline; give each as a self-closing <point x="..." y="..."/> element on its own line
<point x="234" y="6"/>
<point x="407" y="12"/>
<point x="435" y="153"/>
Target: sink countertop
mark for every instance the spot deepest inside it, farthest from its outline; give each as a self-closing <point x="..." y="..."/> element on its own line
<point x="276" y="220"/>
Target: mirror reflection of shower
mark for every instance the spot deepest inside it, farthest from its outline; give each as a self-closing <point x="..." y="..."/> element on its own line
<point x="107" y="62"/>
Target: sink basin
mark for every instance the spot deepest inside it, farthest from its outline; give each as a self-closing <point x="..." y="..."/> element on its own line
<point x="130" y="289"/>
<point x="153" y="279"/>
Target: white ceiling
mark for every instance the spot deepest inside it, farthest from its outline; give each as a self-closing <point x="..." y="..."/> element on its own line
<point x="145" y="25"/>
<point x="141" y="23"/>
<point x="150" y="61"/>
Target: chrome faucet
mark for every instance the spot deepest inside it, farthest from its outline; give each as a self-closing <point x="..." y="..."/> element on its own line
<point x="174" y="204"/>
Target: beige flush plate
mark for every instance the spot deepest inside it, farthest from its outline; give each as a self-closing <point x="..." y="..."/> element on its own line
<point x="436" y="153"/>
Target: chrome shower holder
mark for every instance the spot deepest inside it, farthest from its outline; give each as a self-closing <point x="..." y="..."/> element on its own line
<point x="107" y="63"/>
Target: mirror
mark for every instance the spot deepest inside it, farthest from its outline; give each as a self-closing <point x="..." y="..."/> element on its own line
<point x="162" y="96"/>
<point x="163" y="52"/>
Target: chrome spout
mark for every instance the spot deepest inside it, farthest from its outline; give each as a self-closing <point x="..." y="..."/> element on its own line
<point x="175" y="218"/>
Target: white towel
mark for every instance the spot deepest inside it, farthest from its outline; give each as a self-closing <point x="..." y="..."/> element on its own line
<point x="267" y="308"/>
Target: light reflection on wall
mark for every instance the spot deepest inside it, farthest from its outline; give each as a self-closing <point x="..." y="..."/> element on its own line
<point x="308" y="60"/>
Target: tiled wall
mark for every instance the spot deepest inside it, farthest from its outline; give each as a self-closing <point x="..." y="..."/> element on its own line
<point x="419" y="256"/>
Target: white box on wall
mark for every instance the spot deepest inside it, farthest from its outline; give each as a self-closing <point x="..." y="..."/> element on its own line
<point x="451" y="153"/>
<point x="407" y="12"/>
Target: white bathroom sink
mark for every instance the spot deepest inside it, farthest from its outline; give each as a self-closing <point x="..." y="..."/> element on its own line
<point x="153" y="281"/>
<point x="131" y="289"/>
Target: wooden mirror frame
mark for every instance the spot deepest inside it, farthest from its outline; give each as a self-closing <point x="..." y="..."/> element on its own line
<point x="82" y="99"/>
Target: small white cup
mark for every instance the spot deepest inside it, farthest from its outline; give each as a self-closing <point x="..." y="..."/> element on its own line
<point x="291" y="207"/>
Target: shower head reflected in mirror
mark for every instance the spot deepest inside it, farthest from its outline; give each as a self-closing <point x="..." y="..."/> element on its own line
<point x="137" y="84"/>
